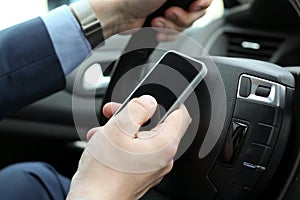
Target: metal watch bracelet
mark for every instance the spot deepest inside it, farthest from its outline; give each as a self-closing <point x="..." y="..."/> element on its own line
<point x="88" y="21"/>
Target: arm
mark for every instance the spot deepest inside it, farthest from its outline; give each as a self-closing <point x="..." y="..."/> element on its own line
<point x="36" y="55"/>
<point x="29" y="67"/>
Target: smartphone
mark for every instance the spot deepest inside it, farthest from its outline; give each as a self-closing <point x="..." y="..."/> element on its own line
<point x="171" y="80"/>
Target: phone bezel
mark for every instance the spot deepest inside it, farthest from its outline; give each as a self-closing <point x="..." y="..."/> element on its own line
<point x="186" y="92"/>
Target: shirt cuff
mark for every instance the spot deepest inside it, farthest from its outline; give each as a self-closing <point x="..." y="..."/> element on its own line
<point x="69" y="42"/>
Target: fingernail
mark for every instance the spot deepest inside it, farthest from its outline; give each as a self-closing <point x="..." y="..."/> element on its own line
<point x="159" y="24"/>
<point x="172" y="17"/>
<point x="148" y="99"/>
<point x="202" y="5"/>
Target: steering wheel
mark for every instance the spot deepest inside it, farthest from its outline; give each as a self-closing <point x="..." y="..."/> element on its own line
<point x="239" y="160"/>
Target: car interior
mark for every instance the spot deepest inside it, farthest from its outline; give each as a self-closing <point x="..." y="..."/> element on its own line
<point x="255" y="47"/>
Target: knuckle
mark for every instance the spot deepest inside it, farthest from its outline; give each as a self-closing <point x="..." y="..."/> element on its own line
<point x="170" y="151"/>
<point x="138" y="110"/>
<point x="206" y="4"/>
<point x="141" y="105"/>
<point x="186" y="22"/>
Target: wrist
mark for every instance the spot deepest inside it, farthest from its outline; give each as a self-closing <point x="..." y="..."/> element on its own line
<point x="94" y="181"/>
<point x="108" y="15"/>
<point x="88" y="21"/>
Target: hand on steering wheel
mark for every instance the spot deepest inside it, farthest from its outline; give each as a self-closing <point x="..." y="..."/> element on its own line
<point x="124" y="15"/>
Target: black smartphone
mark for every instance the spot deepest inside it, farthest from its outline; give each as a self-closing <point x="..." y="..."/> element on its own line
<point x="171" y="80"/>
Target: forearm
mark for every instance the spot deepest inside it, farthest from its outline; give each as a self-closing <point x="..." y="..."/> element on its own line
<point x="36" y="56"/>
<point x="29" y="67"/>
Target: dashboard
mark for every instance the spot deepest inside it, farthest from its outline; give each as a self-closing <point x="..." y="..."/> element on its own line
<point x="266" y="30"/>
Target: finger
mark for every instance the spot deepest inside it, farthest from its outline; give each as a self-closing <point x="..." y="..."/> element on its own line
<point x="181" y="17"/>
<point x="166" y="37"/>
<point x="167" y="133"/>
<point x="133" y="116"/>
<point x="110" y="108"/>
<point x="177" y="122"/>
<point x="199" y="5"/>
<point x="91" y="132"/>
<point x="166" y="25"/>
<point x="167" y="30"/>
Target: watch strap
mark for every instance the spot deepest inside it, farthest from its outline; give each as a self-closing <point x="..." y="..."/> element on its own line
<point x="88" y="21"/>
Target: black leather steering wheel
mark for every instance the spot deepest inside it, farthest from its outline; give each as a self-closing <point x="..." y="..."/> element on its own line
<point x="254" y="134"/>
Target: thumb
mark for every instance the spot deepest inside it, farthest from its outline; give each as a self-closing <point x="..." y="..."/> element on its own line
<point x="133" y="115"/>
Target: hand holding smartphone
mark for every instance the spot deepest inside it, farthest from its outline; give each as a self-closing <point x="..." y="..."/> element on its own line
<point x="172" y="79"/>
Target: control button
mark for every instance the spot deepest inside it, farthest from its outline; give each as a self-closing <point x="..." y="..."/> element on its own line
<point x="258" y="154"/>
<point x="263" y="91"/>
<point x="264" y="134"/>
<point x="245" y="87"/>
<point x="234" y="141"/>
<point x="263" y="113"/>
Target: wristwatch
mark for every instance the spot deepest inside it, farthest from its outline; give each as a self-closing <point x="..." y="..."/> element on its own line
<point x="88" y="21"/>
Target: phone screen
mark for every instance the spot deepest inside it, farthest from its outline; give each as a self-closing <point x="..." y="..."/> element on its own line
<point x="170" y="82"/>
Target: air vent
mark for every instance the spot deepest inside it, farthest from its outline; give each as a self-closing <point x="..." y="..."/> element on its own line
<point x="252" y="46"/>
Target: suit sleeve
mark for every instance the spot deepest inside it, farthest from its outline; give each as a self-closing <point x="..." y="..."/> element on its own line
<point x="29" y="66"/>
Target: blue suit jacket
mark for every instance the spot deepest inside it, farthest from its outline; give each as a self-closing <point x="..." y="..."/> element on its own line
<point x="29" y="67"/>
